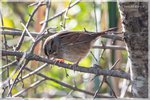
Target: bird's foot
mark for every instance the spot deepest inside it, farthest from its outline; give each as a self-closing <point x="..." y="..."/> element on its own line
<point x="74" y="66"/>
<point x="97" y="66"/>
<point x="59" y="60"/>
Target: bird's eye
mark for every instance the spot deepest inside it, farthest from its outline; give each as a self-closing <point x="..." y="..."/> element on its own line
<point x="50" y="51"/>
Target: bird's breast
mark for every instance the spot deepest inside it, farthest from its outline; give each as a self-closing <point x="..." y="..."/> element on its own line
<point x="75" y="52"/>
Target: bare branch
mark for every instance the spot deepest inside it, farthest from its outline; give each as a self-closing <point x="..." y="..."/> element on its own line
<point x="9" y="28"/>
<point x="64" y="84"/>
<point x="29" y="34"/>
<point x="99" y="87"/>
<point x="65" y="16"/>
<point x="27" y="25"/>
<point x="60" y="13"/>
<point x="35" y="71"/>
<point x="104" y="79"/>
<point x="116" y="47"/>
<point x="32" y="72"/>
<point x="114" y="37"/>
<point x="5" y="45"/>
<point x="48" y="4"/>
<point x="30" y="87"/>
<point x="18" y="33"/>
<point x="92" y="70"/>
<point x="20" y="70"/>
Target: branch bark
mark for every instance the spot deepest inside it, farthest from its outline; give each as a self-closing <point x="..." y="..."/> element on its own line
<point x="135" y="24"/>
<point x="92" y="70"/>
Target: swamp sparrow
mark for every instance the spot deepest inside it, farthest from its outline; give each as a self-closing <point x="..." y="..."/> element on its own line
<point x="71" y="45"/>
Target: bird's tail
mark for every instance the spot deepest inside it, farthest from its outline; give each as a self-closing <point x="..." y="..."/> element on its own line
<point x="110" y="30"/>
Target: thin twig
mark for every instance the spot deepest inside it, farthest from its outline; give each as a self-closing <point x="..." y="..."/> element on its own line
<point x="9" y="28"/>
<point x="30" y="74"/>
<point x="115" y="47"/>
<point x="41" y="33"/>
<point x="4" y="83"/>
<point x="96" y="22"/>
<point x="9" y="64"/>
<point x="97" y="59"/>
<point x="65" y="15"/>
<point x="26" y="62"/>
<point x="112" y="36"/>
<point x="125" y="83"/>
<point x="30" y="87"/>
<point x="4" y="68"/>
<point x="38" y="38"/>
<point x="17" y="33"/>
<point x="60" y="13"/>
<point x="64" y="84"/>
<point x="30" y="50"/>
<point x="48" y="5"/>
<point x="35" y="3"/>
<point x="102" y="52"/>
<point x="27" y="25"/>
<point x="99" y="87"/>
<point x="35" y="71"/>
<point x="20" y="70"/>
<point x="114" y="65"/>
<point x="106" y="81"/>
<point x="28" y="32"/>
<point x="93" y="56"/>
<point x="5" y="45"/>
<point x="56" y="81"/>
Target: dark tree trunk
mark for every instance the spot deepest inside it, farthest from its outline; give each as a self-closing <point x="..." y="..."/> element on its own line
<point x="135" y="27"/>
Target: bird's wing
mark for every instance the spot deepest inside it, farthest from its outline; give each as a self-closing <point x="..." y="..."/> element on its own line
<point x="74" y="37"/>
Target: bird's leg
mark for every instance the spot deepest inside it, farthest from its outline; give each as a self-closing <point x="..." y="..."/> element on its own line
<point x="75" y="64"/>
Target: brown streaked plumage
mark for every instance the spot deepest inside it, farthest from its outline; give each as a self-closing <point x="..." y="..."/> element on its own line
<point x="71" y="45"/>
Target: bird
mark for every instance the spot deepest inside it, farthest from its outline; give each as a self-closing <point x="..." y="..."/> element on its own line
<point x="72" y="46"/>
